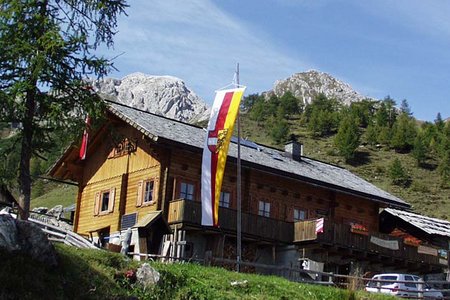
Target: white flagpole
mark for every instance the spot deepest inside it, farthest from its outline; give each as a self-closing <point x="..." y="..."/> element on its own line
<point x="238" y="194"/>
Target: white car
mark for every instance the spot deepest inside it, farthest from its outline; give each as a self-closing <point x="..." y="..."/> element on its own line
<point x="402" y="285"/>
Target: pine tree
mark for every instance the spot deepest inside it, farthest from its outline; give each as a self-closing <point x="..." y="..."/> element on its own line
<point x="403" y="133"/>
<point x="322" y="115"/>
<point x="444" y="170"/>
<point x="444" y="156"/>
<point x="48" y="45"/>
<point x="419" y="151"/>
<point x="391" y="110"/>
<point x="289" y="105"/>
<point x="363" y="111"/>
<point x="279" y="130"/>
<point x="381" y="116"/>
<point x="398" y="174"/>
<point x="404" y="108"/>
<point x="439" y="122"/>
<point x="372" y="135"/>
<point x="384" y="135"/>
<point x="347" y="137"/>
<point x="258" y="111"/>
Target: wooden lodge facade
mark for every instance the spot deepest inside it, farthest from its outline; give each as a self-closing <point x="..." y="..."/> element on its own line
<point x="143" y="172"/>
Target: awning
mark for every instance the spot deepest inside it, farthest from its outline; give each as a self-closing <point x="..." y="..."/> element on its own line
<point x="153" y="218"/>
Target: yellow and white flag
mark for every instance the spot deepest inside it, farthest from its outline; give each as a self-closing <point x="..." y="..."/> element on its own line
<point x="220" y="129"/>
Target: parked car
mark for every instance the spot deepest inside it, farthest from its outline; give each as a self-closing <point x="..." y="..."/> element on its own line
<point x="402" y="285"/>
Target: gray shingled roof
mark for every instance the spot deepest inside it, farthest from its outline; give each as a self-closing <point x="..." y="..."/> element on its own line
<point x="427" y="224"/>
<point x="315" y="171"/>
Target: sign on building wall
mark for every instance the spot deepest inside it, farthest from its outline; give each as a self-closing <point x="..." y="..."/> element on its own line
<point x="389" y="244"/>
<point x="427" y="250"/>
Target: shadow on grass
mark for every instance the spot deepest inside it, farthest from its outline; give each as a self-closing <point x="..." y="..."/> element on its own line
<point x="428" y="166"/>
<point x="360" y="158"/>
<point x="73" y="278"/>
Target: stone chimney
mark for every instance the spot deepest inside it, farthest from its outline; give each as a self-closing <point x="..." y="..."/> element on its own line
<point x="294" y="149"/>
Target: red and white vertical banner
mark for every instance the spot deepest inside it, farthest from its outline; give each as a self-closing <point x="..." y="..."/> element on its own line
<point x="319" y="225"/>
<point x="220" y="129"/>
<point x="84" y="142"/>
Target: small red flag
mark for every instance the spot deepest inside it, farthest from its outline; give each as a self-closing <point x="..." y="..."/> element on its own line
<point x="84" y="142"/>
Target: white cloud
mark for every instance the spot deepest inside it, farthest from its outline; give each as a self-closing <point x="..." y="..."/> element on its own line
<point x="199" y="43"/>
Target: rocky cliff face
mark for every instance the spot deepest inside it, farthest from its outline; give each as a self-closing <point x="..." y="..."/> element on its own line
<point x="307" y="85"/>
<point x="163" y="95"/>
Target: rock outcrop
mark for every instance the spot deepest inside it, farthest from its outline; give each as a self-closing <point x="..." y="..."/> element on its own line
<point x="147" y="276"/>
<point x="23" y="237"/>
<point x="163" y="95"/>
<point x="306" y="85"/>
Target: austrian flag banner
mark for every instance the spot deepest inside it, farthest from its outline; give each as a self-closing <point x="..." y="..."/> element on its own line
<point x="220" y="129"/>
<point x="84" y="142"/>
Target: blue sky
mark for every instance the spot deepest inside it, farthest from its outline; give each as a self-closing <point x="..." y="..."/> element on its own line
<point x="399" y="48"/>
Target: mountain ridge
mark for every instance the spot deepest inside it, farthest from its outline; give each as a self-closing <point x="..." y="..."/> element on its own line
<point x="307" y="85"/>
<point x="165" y="95"/>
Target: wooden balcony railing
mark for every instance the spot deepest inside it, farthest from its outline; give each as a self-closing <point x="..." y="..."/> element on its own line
<point x="253" y="226"/>
<point x="341" y="235"/>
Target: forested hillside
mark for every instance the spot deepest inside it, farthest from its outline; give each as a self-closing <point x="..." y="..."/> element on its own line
<point x="377" y="140"/>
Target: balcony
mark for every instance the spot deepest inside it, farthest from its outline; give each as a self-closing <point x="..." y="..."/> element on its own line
<point x="371" y="244"/>
<point x="253" y="226"/>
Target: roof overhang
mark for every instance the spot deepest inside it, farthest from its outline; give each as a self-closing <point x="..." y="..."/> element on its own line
<point x="153" y="219"/>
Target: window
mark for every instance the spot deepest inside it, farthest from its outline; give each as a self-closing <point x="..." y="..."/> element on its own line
<point x="148" y="193"/>
<point x="410" y="284"/>
<point x="187" y="191"/>
<point x="264" y="209"/>
<point x="104" y="202"/>
<point x="224" y="199"/>
<point x="299" y="214"/>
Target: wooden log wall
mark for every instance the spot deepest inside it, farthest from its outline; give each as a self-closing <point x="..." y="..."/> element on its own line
<point x="87" y="221"/>
<point x="103" y="173"/>
<point x="283" y="194"/>
<point x="353" y="209"/>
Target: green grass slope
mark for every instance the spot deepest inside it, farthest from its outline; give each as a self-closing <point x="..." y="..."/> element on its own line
<point x="95" y="274"/>
<point x="55" y="194"/>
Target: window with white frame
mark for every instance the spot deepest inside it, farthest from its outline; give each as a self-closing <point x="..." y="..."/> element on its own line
<point x="148" y="191"/>
<point x="264" y="209"/>
<point x="104" y="202"/>
<point x="224" y="199"/>
<point x="299" y="214"/>
<point x="187" y="191"/>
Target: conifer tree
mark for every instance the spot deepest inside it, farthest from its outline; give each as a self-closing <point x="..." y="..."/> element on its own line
<point x="347" y="137"/>
<point x="47" y="49"/>
<point x="403" y="133"/>
<point x="372" y="134"/>
<point x="419" y="151"/>
<point x="398" y="173"/>
<point x="439" y="122"/>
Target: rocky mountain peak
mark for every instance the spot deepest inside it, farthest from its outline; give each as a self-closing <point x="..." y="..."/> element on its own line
<point x="306" y="85"/>
<point x="163" y="95"/>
